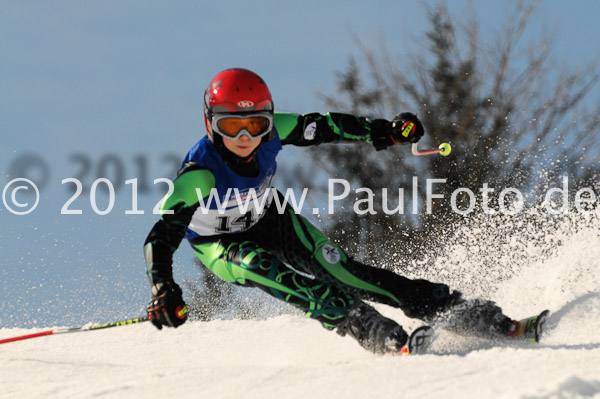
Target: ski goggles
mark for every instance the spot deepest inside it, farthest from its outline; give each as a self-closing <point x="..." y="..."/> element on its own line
<point x="234" y="126"/>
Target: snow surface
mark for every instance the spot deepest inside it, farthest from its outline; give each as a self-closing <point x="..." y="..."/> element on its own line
<point x="289" y="356"/>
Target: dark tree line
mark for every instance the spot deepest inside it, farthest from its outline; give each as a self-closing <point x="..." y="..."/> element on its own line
<point x="514" y="113"/>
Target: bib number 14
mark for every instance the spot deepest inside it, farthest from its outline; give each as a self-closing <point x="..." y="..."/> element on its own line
<point x="228" y="224"/>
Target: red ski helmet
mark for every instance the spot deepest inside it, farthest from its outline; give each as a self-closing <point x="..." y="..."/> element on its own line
<point x="237" y="92"/>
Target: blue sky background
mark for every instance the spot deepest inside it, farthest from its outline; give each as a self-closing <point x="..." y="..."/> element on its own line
<point x="88" y="80"/>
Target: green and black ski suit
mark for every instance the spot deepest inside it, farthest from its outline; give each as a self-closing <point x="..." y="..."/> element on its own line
<point x="281" y="252"/>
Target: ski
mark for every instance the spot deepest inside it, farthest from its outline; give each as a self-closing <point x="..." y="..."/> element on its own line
<point x="531" y="328"/>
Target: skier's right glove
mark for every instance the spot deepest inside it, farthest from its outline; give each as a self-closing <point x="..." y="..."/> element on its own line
<point x="167" y="308"/>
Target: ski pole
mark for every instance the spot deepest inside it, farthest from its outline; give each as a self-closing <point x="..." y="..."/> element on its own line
<point x="444" y="150"/>
<point x="76" y="329"/>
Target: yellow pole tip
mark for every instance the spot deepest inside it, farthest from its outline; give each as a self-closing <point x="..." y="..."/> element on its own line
<point x="446" y="149"/>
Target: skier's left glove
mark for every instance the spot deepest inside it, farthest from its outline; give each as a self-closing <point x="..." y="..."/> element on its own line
<point x="167" y="308"/>
<point x="405" y="128"/>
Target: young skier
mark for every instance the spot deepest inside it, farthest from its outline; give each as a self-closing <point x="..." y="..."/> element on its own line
<point x="283" y="254"/>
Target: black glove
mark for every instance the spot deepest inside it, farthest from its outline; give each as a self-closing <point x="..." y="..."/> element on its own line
<point x="167" y="308"/>
<point x="405" y="128"/>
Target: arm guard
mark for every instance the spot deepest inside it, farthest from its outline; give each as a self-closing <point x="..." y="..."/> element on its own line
<point x="314" y="129"/>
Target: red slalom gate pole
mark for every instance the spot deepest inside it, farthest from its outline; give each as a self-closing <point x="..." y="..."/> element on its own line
<point x="28" y="336"/>
<point x="76" y="329"/>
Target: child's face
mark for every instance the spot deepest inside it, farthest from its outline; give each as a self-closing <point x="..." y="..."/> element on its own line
<point x="243" y="146"/>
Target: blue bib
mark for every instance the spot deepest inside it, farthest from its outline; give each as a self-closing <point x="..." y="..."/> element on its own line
<point x="224" y="216"/>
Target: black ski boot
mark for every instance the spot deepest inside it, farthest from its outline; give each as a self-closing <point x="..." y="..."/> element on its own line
<point x="373" y="331"/>
<point x="475" y="316"/>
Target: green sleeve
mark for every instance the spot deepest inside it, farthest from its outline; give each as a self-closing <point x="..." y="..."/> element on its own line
<point x="185" y="188"/>
<point x="286" y="123"/>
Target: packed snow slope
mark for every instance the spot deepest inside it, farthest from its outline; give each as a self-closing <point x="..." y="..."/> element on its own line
<point x="289" y="356"/>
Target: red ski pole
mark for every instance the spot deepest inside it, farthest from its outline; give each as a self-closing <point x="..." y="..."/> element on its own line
<point x="76" y="329"/>
<point x="444" y="150"/>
